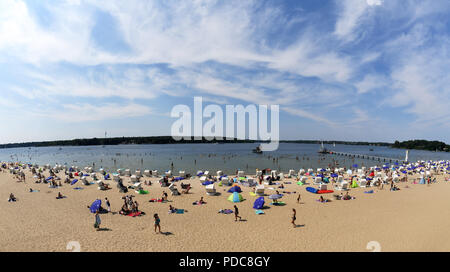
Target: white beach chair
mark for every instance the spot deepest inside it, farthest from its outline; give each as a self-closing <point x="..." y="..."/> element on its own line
<point x="341" y="186"/>
<point x="210" y="189"/>
<point x="241" y="174"/>
<point x="225" y="181"/>
<point x="134" y="179"/>
<point x="147" y="173"/>
<point x="317" y="180"/>
<point x="259" y="190"/>
<point x="219" y="173"/>
<point x="363" y="183"/>
<point x="127" y="172"/>
<point x="168" y="173"/>
<point x="203" y="179"/>
<point x="138" y="173"/>
<point x="323" y="187"/>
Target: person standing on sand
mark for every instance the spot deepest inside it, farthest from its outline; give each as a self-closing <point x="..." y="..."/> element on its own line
<point x="157" y="222"/>
<point x="108" y="205"/>
<point x="294" y="217"/>
<point x="97" y="220"/>
<point x="236" y="214"/>
<point x="298" y="199"/>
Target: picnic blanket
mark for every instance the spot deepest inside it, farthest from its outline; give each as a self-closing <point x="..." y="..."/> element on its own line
<point x="134" y="214"/>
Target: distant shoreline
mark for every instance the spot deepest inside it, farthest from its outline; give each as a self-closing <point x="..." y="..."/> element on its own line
<point x="166" y="140"/>
<point x="411" y="144"/>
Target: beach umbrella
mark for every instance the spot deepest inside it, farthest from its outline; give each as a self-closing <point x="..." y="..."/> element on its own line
<point x="320" y="175"/>
<point x="334" y="175"/>
<point x="207" y="182"/>
<point x="378" y="169"/>
<point x="235" y="197"/>
<point x="49" y="178"/>
<point x="275" y="196"/>
<point x="74" y="181"/>
<point x="355" y="165"/>
<point x="259" y="203"/>
<point x="95" y="205"/>
<point x="106" y="176"/>
<point x="349" y="172"/>
<point x="235" y="189"/>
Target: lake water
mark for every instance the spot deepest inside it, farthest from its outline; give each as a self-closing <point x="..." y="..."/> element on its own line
<point x="212" y="157"/>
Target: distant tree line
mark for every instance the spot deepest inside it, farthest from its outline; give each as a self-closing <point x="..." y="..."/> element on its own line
<point x="119" y="141"/>
<point x="422" y="145"/>
<point x="412" y="144"/>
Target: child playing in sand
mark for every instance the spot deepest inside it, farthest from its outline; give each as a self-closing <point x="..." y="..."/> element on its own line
<point x="157" y="222"/>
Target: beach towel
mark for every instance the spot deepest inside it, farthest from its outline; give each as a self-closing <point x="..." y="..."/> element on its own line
<point x="279" y="203"/>
<point x="226" y="211"/>
<point x="369" y="192"/>
<point x="34" y="191"/>
<point x="142" y="192"/>
<point x="312" y="190"/>
<point x="180" y="211"/>
<point x="134" y="214"/>
<point x="300" y="183"/>
<point x="78" y="188"/>
<point x="252" y="194"/>
<point x="74" y="181"/>
<point x="259" y="212"/>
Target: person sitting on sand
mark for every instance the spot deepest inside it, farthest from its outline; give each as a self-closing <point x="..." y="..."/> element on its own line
<point x="201" y="201"/>
<point x="12" y="198"/>
<point x="172" y="209"/>
<point x="186" y="191"/>
<point x="323" y="200"/>
<point x="164" y="196"/>
<point x="281" y="186"/>
<point x="124" y="210"/>
<point x="59" y="196"/>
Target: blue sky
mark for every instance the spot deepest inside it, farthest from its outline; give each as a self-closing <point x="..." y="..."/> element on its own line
<point x="368" y="70"/>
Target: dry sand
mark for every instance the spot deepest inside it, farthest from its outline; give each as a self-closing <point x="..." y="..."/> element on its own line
<point x="412" y="219"/>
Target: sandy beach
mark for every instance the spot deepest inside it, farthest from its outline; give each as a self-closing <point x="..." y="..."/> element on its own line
<point x="411" y="219"/>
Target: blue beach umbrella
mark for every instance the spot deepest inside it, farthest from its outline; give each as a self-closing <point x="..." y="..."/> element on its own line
<point x="234" y="189"/>
<point x="95" y="205"/>
<point x="259" y="203"/>
<point x="334" y="175"/>
<point x="355" y="165"/>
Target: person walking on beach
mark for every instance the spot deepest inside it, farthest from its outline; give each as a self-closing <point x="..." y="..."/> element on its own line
<point x="98" y="221"/>
<point x="298" y="199"/>
<point x="294" y="217"/>
<point x="157" y="222"/>
<point x="236" y="214"/>
<point x="108" y="205"/>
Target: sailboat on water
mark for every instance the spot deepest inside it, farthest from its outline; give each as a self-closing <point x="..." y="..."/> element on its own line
<point x="322" y="149"/>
